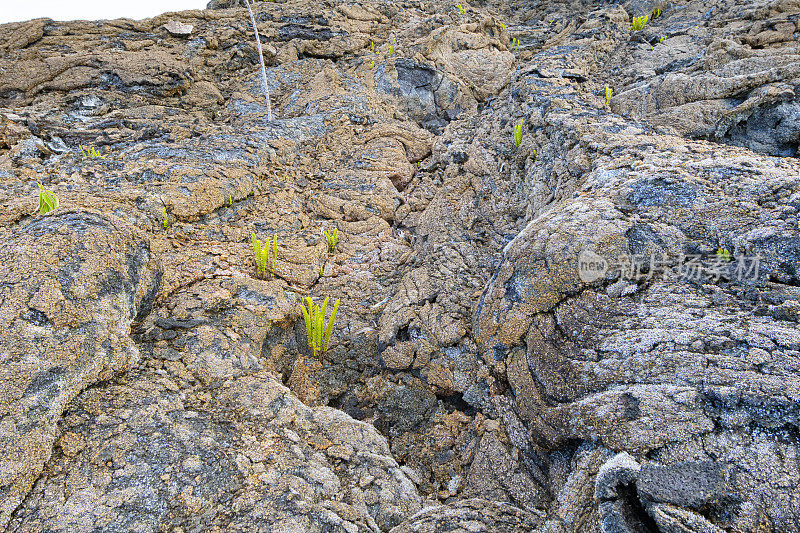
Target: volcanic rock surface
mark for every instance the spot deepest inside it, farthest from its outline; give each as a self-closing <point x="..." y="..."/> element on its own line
<point x="592" y="330"/>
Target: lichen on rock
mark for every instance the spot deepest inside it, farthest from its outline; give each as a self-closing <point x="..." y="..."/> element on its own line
<point x="591" y="325"/>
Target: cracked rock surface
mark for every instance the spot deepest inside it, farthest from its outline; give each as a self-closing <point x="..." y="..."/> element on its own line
<point x="498" y="361"/>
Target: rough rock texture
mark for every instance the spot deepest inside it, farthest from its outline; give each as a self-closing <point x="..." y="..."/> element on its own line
<point x="73" y="281"/>
<point x="471" y="515"/>
<point x="141" y="455"/>
<point x="498" y="362"/>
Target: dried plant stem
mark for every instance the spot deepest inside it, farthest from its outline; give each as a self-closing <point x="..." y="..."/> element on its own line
<point x="261" y="59"/>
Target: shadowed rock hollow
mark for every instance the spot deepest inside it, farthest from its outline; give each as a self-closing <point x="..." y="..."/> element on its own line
<point x="478" y="378"/>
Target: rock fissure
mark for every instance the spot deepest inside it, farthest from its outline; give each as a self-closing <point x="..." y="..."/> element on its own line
<point x="477" y="378"/>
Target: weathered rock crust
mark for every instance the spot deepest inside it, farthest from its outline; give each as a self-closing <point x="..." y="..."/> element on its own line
<point x="476" y="380"/>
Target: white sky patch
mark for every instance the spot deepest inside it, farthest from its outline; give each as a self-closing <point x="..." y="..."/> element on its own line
<point x="16" y="10"/>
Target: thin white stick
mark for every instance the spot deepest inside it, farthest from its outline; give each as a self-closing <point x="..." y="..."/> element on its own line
<point x="261" y="59"/>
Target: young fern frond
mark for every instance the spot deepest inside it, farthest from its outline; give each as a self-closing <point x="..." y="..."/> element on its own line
<point x="256" y="251"/>
<point x="274" y="254"/>
<point x="317" y="332"/>
<point x="638" y="23"/>
<point x="332" y="238"/>
<point x="261" y="60"/>
<point x="48" y="200"/>
<point x="90" y="152"/>
<point x="608" y="95"/>
<point x="262" y="255"/>
<point x="518" y="132"/>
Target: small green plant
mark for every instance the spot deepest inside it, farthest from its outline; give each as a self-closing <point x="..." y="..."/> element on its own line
<point x="638" y="23"/>
<point x="166" y="218"/>
<point x="332" y="238"/>
<point x="656" y="13"/>
<point x="505" y="28"/>
<point x="230" y="199"/>
<point x="514" y="44"/>
<point x="724" y="255"/>
<point x="460" y="8"/>
<point x="322" y="271"/>
<point x="663" y="38"/>
<point x="372" y="65"/>
<point x="48" y="200"/>
<point x="391" y="46"/>
<point x="372" y="46"/>
<point x="319" y="335"/>
<point x="90" y="152"/>
<point x="262" y="255"/>
<point x="518" y="132"/>
<point x="608" y="95"/>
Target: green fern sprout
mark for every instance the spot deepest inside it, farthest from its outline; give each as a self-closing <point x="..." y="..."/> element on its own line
<point x="166" y="218"/>
<point x="90" y="152"/>
<point x="608" y="95"/>
<point x="230" y="200"/>
<point x="518" y="132"/>
<point x="656" y="13"/>
<point x="372" y="46"/>
<point x="514" y="44"/>
<point x="638" y="23"/>
<point x="505" y="28"/>
<point x="372" y="65"/>
<point x="663" y="38"/>
<point x="332" y="238"/>
<point x="262" y="255"/>
<point x="48" y="200"/>
<point x="261" y="60"/>
<point x="391" y="47"/>
<point x="319" y="335"/>
<point x="460" y="8"/>
<point x="724" y="255"/>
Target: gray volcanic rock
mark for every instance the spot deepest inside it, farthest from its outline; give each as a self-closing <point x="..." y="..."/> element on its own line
<point x="73" y="282"/>
<point x="471" y="515"/>
<point x="691" y="484"/>
<point x="590" y="327"/>
<point x="140" y="455"/>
